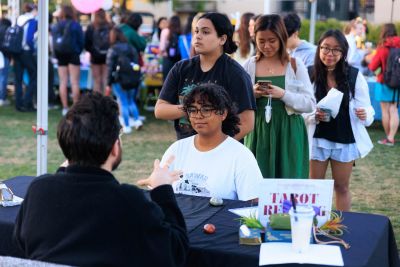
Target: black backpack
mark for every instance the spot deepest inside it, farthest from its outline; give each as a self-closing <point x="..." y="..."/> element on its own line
<point x="391" y="76"/>
<point x="173" y="51"/>
<point x="128" y="73"/>
<point x="101" y="41"/>
<point x="62" y="39"/>
<point x="12" y="40"/>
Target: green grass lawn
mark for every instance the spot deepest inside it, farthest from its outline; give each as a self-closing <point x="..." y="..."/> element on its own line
<point x="375" y="184"/>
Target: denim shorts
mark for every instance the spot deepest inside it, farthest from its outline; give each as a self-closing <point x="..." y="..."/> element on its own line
<point x="323" y="150"/>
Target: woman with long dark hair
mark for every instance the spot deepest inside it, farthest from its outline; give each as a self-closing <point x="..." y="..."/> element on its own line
<point x="169" y="45"/>
<point x="384" y="94"/>
<point x="341" y="140"/>
<point x="283" y="92"/>
<point x="212" y="40"/>
<point x="212" y="162"/>
<point x="245" y="44"/>
<point x="97" y="44"/>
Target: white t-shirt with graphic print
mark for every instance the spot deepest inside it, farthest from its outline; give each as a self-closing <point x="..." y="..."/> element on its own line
<point x="228" y="171"/>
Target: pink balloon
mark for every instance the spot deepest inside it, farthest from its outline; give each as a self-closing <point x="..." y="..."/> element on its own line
<point x="87" y="6"/>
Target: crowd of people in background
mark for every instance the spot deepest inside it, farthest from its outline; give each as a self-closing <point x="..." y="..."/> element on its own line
<point x="272" y="76"/>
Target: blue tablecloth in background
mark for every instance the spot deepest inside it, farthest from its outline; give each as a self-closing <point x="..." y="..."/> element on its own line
<point x="375" y="104"/>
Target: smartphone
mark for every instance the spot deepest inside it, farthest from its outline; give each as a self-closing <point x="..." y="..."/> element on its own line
<point x="264" y="84"/>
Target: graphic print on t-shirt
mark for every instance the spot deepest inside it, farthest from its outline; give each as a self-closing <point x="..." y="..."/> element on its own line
<point x="185" y="90"/>
<point x="192" y="184"/>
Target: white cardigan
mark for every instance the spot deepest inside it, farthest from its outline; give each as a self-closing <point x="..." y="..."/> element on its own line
<point x="360" y="99"/>
<point x="297" y="100"/>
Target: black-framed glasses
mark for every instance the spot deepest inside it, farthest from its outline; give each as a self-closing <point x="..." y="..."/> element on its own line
<point x="335" y="51"/>
<point x="204" y="111"/>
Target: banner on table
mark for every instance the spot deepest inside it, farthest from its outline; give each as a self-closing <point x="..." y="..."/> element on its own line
<point x="314" y="192"/>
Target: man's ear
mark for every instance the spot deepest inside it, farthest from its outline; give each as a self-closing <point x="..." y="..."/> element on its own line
<point x="115" y="148"/>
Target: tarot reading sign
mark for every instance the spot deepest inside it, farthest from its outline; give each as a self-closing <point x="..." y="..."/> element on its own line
<point x="275" y="193"/>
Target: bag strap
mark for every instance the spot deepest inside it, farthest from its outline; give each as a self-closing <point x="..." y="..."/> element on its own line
<point x="293" y="63"/>
<point x="66" y="28"/>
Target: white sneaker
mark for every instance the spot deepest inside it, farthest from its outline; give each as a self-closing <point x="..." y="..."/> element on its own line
<point x="127" y="129"/>
<point x="64" y="111"/>
<point x="4" y="102"/>
<point x="138" y="124"/>
<point x="132" y="120"/>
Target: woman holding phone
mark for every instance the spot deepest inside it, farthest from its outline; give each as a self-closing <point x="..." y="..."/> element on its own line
<point x="283" y="91"/>
<point x="342" y="139"/>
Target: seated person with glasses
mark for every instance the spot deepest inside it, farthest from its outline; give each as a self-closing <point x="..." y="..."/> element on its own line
<point x="82" y="216"/>
<point x="213" y="163"/>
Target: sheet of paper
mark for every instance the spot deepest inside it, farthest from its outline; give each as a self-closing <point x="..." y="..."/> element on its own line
<point x="245" y="212"/>
<point x="280" y="253"/>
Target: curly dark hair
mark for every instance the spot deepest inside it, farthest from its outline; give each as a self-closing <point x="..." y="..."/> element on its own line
<point x="220" y="100"/>
<point x="88" y="132"/>
<point x="319" y="73"/>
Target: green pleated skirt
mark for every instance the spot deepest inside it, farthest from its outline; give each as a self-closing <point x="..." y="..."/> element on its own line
<point x="280" y="146"/>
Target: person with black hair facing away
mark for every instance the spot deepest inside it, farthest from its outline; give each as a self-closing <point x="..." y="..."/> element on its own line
<point x="130" y="26"/>
<point x="213" y="163"/>
<point x="212" y="40"/>
<point x="387" y="96"/>
<point x="283" y="92"/>
<point x="97" y="43"/>
<point x="82" y="215"/>
<point x="169" y="45"/>
<point x="298" y="48"/>
<point x="26" y="60"/>
<point x="121" y="60"/>
<point x="343" y="139"/>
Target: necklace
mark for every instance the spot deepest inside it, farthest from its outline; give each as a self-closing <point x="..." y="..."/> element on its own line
<point x="269" y="70"/>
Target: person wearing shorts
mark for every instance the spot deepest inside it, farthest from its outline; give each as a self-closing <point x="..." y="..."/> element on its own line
<point x="343" y="139"/>
<point x="69" y="62"/>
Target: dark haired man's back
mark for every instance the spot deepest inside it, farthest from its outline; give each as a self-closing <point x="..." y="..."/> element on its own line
<point x="82" y="216"/>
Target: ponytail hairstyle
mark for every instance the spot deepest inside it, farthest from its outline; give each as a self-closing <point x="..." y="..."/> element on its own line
<point x="223" y="26"/>
<point x="341" y="72"/>
<point x="275" y="24"/>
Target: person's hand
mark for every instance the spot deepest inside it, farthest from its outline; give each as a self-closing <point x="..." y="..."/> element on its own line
<point x="258" y="92"/>
<point x="275" y="91"/>
<point x="361" y="113"/>
<point x="161" y="175"/>
<point x="319" y="115"/>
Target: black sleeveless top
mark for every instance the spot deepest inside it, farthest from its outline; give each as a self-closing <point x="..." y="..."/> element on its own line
<point x="339" y="130"/>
